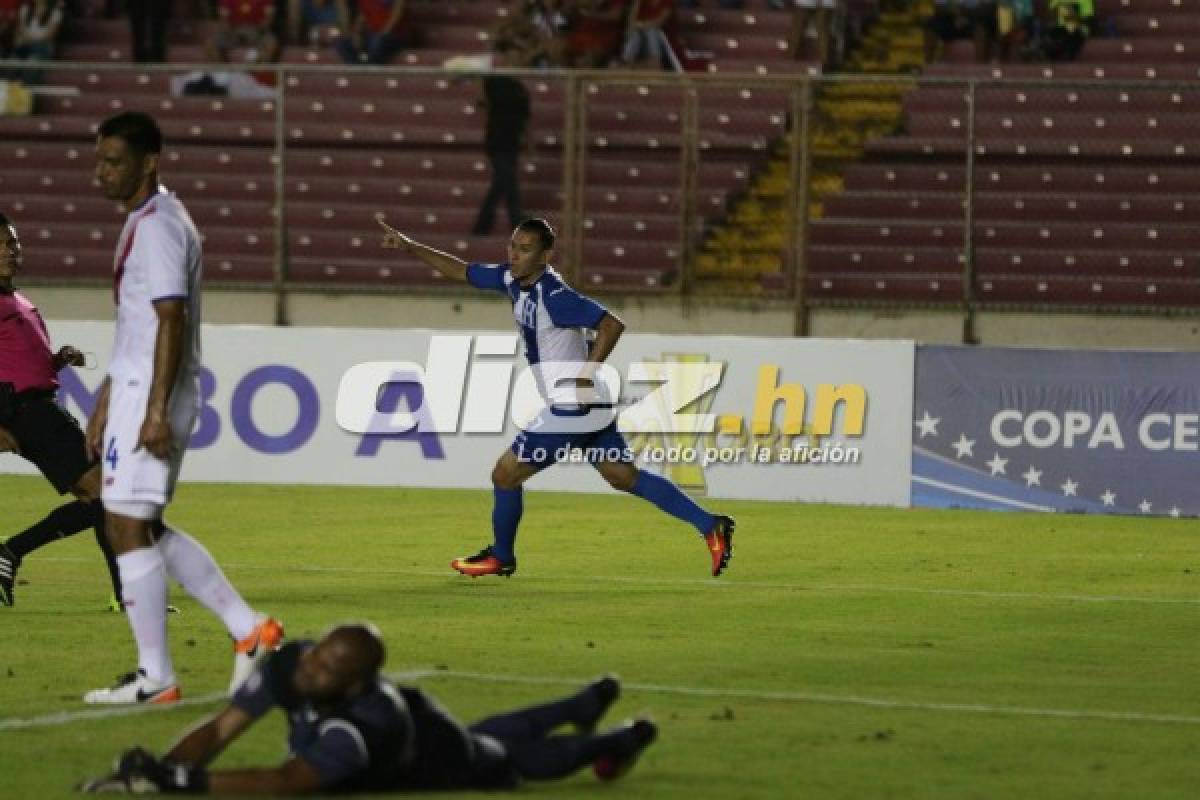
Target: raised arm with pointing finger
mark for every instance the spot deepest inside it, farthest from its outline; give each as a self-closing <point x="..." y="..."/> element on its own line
<point x="450" y="266"/>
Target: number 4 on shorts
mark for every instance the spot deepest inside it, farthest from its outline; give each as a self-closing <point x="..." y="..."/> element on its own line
<point x="110" y="455"/>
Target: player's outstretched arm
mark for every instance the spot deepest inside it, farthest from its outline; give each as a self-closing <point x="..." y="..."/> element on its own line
<point x="205" y="742"/>
<point x="98" y="420"/>
<point x="140" y="772"/>
<point x="295" y="776"/>
<point x="450" y="266"/>
<point x="199" y="746"/>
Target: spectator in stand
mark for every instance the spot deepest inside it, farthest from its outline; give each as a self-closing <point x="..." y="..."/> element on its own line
<point x="375" y="32"/>
<point x="1069" y="26"/>
<point x="36" y="36"/>
<point x="506" y="101"/>
<point x="597" y="32"/>
<point x="1014" y="27"/>
<point x="961" y="19"/>
<point x="244" y="23"/>
<point x="148" y="21"/>
<point x="9" y="11"/>
<point x="646" y="43"/>
<point x="822" y="13"/>
<point x="537" y="28"/>
<point x="306" y="19"/>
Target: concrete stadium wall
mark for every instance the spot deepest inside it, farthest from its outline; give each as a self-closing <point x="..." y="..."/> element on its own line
<point x="746" y="317"/>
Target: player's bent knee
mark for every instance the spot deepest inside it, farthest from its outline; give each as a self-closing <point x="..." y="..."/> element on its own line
<point x="622" y="483"/>
<point x="622" y="478"/>
<point x="503" y="477"/>
<point x="128" y="528"/>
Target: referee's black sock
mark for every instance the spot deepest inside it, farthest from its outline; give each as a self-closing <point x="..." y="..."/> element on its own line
<point x="66" y="520"/>
<point x="110" y="558"/>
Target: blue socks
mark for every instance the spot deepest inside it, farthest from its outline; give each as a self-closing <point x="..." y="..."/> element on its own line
<point x="506" y="516"/>
<point x="671" y="499"/>
<point x="509" y="506"/>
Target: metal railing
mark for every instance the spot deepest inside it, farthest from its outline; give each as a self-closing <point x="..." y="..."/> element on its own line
<point x="725" y="126"/>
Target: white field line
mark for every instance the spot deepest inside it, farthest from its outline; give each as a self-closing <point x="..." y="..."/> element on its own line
<point x="848" y="700"/>
<point x="105" y="712"/>
<point x="1093" y="715"/>
<point x="109" y="712"/>
<point x="727" y="582"/>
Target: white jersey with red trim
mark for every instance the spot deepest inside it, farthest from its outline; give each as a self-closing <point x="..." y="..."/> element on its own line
<point x="158" y="257"/>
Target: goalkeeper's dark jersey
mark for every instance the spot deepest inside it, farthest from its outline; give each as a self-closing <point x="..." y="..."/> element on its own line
<point x="387" y="738"/>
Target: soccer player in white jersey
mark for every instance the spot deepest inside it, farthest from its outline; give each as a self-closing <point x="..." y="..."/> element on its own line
<point x="553" y="320"/>
<point x="144" y="415"/>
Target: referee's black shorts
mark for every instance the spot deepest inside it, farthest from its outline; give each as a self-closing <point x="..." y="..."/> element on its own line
<point x="50" y="438"/>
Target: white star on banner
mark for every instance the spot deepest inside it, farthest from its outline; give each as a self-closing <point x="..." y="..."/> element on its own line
<point x="1174" y="512"/>
<point x="1069" y="488"/>
<point x="998" y="464"/>
<point x="1033" y="477"/>
<point x="1144" y="506"/>
<point x="1108" y="498"/>
<point x="964" y="447"/>
<point x="928" y="424"/>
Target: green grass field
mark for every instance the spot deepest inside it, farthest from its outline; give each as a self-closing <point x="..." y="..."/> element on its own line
<point x="847" y="653"/>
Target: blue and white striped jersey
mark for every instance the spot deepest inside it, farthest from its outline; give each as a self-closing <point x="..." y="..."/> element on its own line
<point x="553" y="320"/>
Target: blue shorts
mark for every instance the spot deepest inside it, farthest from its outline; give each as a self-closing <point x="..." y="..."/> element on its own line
<point x="543" y="448"/>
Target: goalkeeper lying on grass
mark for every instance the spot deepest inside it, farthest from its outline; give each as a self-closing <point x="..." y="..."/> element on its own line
<point x="350" y="729"/>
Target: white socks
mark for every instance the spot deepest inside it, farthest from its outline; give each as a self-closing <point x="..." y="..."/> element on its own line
<point x="144" y="591"/>
<point x="194" y="568"/>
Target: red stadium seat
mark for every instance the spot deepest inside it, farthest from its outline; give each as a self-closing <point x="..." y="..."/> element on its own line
<point x="904" y="287"/>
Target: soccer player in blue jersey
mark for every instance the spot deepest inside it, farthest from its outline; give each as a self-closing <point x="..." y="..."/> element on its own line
<point x="553" y="320"/>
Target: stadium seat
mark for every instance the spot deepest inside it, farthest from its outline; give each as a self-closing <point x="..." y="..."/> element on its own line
<point x="926" y="288"/>
<point x="1060" y="172"/>
<point x="1066" y="71"/>
<point x="996" y="206"/>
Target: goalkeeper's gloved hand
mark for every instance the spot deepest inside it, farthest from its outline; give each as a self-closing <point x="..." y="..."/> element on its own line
<point x="144" y="773"/>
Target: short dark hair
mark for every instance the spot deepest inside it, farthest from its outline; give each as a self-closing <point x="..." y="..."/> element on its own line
<point x="542" y="228"/>
<point x="364" y="645"/>
<point x="138" y="129"/>
<point x="5" y="221"/>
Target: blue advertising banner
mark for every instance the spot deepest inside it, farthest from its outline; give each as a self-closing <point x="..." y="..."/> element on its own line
<point x="1106" y="432"/>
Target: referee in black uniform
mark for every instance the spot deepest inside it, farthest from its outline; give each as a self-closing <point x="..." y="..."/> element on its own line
<point x="34" y="426"/>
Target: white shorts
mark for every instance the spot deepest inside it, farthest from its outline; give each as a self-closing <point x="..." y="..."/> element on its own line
<point x="138" y="479"/>
<point x="815" y="3"/>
